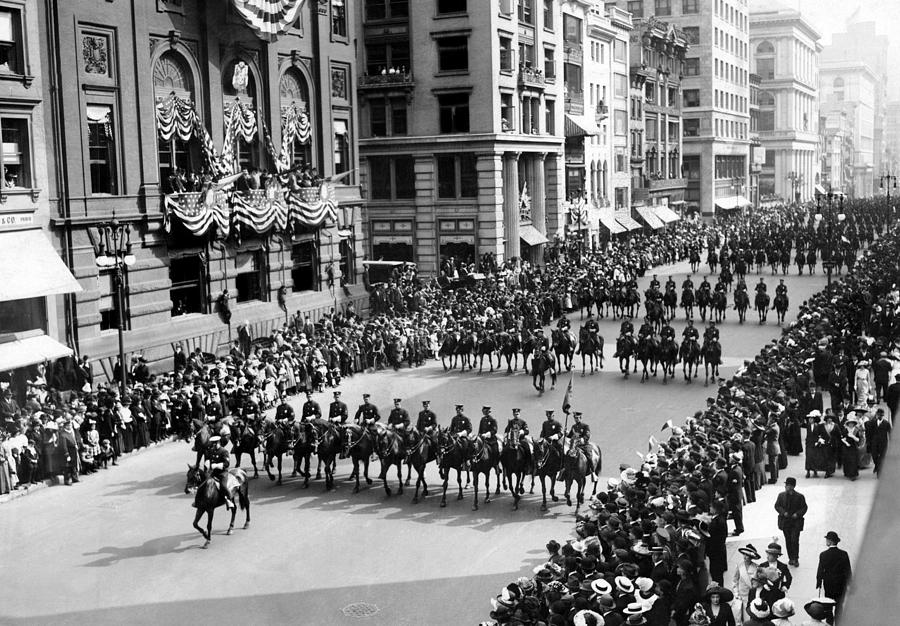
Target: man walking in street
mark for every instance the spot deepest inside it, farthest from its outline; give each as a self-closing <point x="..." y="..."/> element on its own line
<point x="892" y="396"/>
<point x="834" y="570"/>
<point x="791" y="507"/>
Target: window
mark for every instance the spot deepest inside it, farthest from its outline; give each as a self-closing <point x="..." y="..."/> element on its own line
<point x="620" y="85"/>
<point x="451" y="6"/>
<point x="549" y="63"/>
<point x="530" y="114"/>
<point x="571" y="28"/>
<point x="457" y="176"/>
<point x="838" y="86"/>
<point x="11" y="49"/>
<point x="691" y="98"/>
<point x="765" y="68"/>
<point x="404" y="177"/>
<point x="338" y="18"/>
<point x="650" y="128"/>
<point x="388" y="117"/>
<point x="690" y="167"/>
<point x="506" y="63"/>
<point x="636" y="8"/>
<point x="380" y="57"/>
<point x="110" y="303"/>
<point x="691" y="127"/>
<point x="650" y="92"/>
<point x="548" y="14"/>
<point x="304" y="267"/>
<point x="392" y="240"/>
<point x="621" y="197"/>
<point x="188" y="285"/>
<point x="692" y="34"/>
<point x="526" y="54"/>
<point x="391" y="178"/>
<point x="766" y="121"/>
<point x="573" y="79"/>
<point x="673" y="97"/>
<point x="621" y="159"/>
<point x="619" y="48"/>
<point x="620" y="122"/>
<point x="526" y="14"/>
<point x="342" y="157"/>
<point x="550" y="117"/>
<point x="690" y="6"/>
<point x="454" y="113"/>
<point x="348" y="260"/>
<point x="766" y="99"/>
<point x="386" y="9"/>
<point x="507" y="113"/>
<point x="453" y="54"/>
<point x="101" y="149"/>
<point x="16" y="154"/>
<point x="692" y="67"/>
<point x="765" y="47"/>
<point x="663" y="7"/>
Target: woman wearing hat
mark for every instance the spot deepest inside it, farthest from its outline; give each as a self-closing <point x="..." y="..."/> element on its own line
<point x="815" y="444"/>
<point x="758" y="613"/>
<point x="716" y="606"/>
<point x="853" y="435"/>
<point x="782" y="611"/>
<point x="818" y="610"/>
<point x="773" y="552"/>
<point x="743" y="578"/>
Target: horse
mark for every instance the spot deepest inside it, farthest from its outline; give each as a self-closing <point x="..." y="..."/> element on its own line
<point x="276" y="444"/>
<point x="448" y="350"/>
<point x="761" y="303"/>
<point x="760" y="260"/>
<point x="509" y="349"/>
<point x="547" y="464"/>
<point x="687" y="302"/>
<point x="464" y="349"/>
<point x="689" y="354"/>
<point x="694" y="257"/>
<point x="422" y="451"/>
<point x="563" y="342"/>
<point x="785" y="260"/>
<point x="726" y="277"/>
<point x="602" y="297"/>
<point x="712" y="358"/>
<point x="527" y="345"/>
<point x="655" y="313"/>
<point x="541" y="362"/>
<point x="668" y="358"/>
<point x="704" y="298"/>
<point x="485" y="459"/>
<point x="781" y="306"/>
<point x="358" y="445"/>
<point x="712" y="260"/>
<point x="624" y="350"/>
<point x="579" y="462"/>
<point x="244" y="441"/>
<point x="209" y="496"/>
<point x="719" y="305"/>
<point x="451" y="455"/>
<point x="618" y="299"/>
<point x="486" y="347"/>
<point x="646" y="353"/>
<point x="585" y="300"/>
<point x="391" y="450"/>
<point x="304" y="445"/>
<point x="632" y="301"/>
<point x="670" y="303"/>
<point x="589" y="344"/>
<point x="741" y="303"/>
<point x="202" y="433"/>
<point x="515" y="460"/>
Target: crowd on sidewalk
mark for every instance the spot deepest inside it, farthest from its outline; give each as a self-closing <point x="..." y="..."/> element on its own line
<point x="651" y="549"/>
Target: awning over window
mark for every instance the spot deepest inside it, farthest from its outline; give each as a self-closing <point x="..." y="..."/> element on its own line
<point x="580" y="126"/>
<point x="628" y="222"/>
<point x="650" y="217"/>
<point x="610" y="223"/>
<point x="531" y="235"/>
<point x="666" y="214"/>
<point x="732" y="202"/>
<point x="820" y="191"/>
<point x="31" y="268"/>
<point x="17" y="352"/>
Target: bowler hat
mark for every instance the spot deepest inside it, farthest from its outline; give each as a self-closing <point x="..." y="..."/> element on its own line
<point x="832" y="536"/>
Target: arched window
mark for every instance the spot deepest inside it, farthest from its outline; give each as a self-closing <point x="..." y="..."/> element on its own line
<point x="765" y="47"/>
<point x="239" y="94"/>
<point x="179" y="160"/>
<point x="293" y="92"/>
<point x="766" y="99"/>
<point x="838" y="86"/>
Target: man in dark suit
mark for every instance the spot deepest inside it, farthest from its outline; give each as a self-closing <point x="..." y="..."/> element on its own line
<point x="715" y="543"/>
<point x="834" y="570"/>
<point x="879" y="435"/>
<point x="734" y="496"/>
<point x="791" y="507"/>
<point x="892" y="396"/>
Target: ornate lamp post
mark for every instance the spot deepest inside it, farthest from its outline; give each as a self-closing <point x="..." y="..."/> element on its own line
<point x="796" y="183"/>
<point x="833" y="212"/>
<point x="886" y="181"/>
<point x="114" y="252"/>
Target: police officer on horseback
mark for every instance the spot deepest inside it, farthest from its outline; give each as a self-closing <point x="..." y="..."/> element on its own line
<point x="654" y="283"/>
<point x="218" y="460"/>
<point x="711" y="332"/>
<point x="552" y="431"/>
<point x="427" y="420"/>
<point x="760" y="286"/>
<point x="398" y="420"/>
<point x="687" y="283"/>
<point x="540" y="341"/>
<point x="781" y="288"/>
<point x="563" y="324"/>
<point x="627" y="328"/>
<point x="516" y="423"/>
<point x="311" y="409"/>
<point x="284" y="414"/>
<point x="670" y="283"/>
<point x="705" y="286"/>
<point x="367" y="413"/>
<point x="461" y="427"/>
<point x="579" y="430"/>
<point x="337" y="410"/>
<point x="487" y="429"/>
<point x="690" y="333"/>
<point x="666" y="332"/>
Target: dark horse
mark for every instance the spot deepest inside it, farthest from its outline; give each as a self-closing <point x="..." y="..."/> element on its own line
<point x="509" y="348"/>
<point x="579" y="462"/>
<point x="465" y="348"/>
<point x="590" y="343"/>
<point x="515" y="460"/>
<point x="719" y="305"/>
<point x="781" y="306"/>
<point x="304" y="444"/>
<point x="704" y="299"/>
<point x="541" y="362"/>
<point x="210" y="496"/>
<point x="563" y="347"/>
<point x="547" y="463"/>
<point x="761" y="304"/>
<point x="624" y="350"/>
<point x="646" y="353"/>
<point x="689" y="353"/>
<point x="276" y="444"/>
<point x="668" y="357"/>
<point x="448" y="350"/>
<point x="712" y="358"/>
<point x="670" y="302"/>
<point x="741" y="303"/>
<point x="422" y="451"/>
<point x="391" y="450"/>
<point x="687" y="302"/>
<point x="358" y="445"/>
<point x="201" y="432"/>
<point x="451" y="455"/>
<point x="486" y="347"/>
<point x="485" y="459"/>
<point x="244" y="442"/>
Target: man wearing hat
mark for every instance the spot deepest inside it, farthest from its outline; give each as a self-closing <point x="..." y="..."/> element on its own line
<point x="284" y="414"/>
<point x="834" y="571"/>
<point x="552" y="431"/>
<point x="487" y="429"/>
<point x="218" y="460"/>
<point x="517" y="424"/>
<point x="791" y="508"/>
<point x="398" y="420"/>
<point x="337" y="410"/>
<point x="427" y="420"/>
<point x="461" y="427"/>
<point x="892" y="396"/>
<point x="878" y="436"/>
<point x="311" y="409"/>
<point x="367" y="413"/>
<point x="773" y="552"/>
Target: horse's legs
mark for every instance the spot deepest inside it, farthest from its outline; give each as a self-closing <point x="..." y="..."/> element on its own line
<point x="356" y="474"/>
<point x="568" y="487"/>
<point x="319" y="469"/>
<point x="279" y="469"/>
<point x="209" y="521"/>
<point x="543" y="493"/>
<point x="446" y="478"/>
<point x="459" y="481"/>
<point x="475" y="485"/>
<point x="408" y="472"/>
<point x="197" y="517"/>
<point x="233" y="515"/>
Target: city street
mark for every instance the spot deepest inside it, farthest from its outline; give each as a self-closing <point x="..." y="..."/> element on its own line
<point x="119" y="546"/>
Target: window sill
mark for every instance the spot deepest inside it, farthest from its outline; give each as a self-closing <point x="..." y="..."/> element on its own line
<point x="25" y="79"/>
<point x="6" y="192"/>
<point x="451" y="73"/>
<point x="450" y="16"/>
<point x="506" y="71"/>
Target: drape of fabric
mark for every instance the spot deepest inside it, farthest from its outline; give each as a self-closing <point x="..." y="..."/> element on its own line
<point x="176" y="118"/>
<point x="240" y="119"/>
<point x="294" y="126"/>
<point x="268" y="18"/>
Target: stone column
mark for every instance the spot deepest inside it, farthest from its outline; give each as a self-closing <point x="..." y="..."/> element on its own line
<point x="511" y="204"/>
<point x="538" y="193"/>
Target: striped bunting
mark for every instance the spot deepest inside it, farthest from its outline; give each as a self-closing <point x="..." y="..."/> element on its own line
<point x="269" y="18"/>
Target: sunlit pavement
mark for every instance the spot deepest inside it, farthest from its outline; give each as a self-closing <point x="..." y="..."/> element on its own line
<point x="119" y="545"/>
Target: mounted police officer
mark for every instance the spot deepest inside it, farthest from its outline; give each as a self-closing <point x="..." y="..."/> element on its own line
<point x="461" y="427"/>
<point x="687" y="283"/>
<point x="760" y="286"/>
<point x="284" y="414"/>
<point x="487" y="429"/>
<point x="311" y="409"/>
<point x="427" y="420"/>
<point x="337" y="410"/>
<point x="398" y="420"/>
<point x="711" y="333"/>
<point x="516" y="423"/>
<point x="781" y="289"/>
<point x="670" y="283"/>
<point x="666" y="332"/>
<point x="563" y="324"/>
<point x="552" y="431"/>
<point x="367" y="413"/>
<point x="690" y="332"/>
<point x="705" y="286"/>
<point x="626" y="328"/>
<point x="654" y="283"/>
<point x="218" y="459"/>
<point x="579" y="430"/>
<point x="540" y="341"/>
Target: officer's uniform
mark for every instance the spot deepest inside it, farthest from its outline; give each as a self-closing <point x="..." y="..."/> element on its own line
<point x="551" y="430"/>
<point x="398" y="417"/>
<point x="654" y="284"/>
<point x="284" y="413"/>
<point x="338" y="412"/>
<point x="670" y="284"/>
<point x="219" y="461"/>
<point x="711" y="334"/>
<point x="627" y="328"/>
<point x="580" y="430"/>
<point x="667" y="332"/>
<point x="366" y="414"/>
<point x="426" y="420"/>
<point x="563" y="324"/>
<point x="488" y="426"/>
<point x="461" y="425"/>
<point x="781" y="289"/>
<point x="689" y="333"/>
<point x="311" y="410"/>
<point x="687" y="283"/>
<point x="760" y="287"/>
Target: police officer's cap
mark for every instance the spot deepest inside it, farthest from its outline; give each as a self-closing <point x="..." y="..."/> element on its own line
<point x="366" y="395"/>
<point x="485" y="408"/>
<point x="426" y="402"/>
<point x="517" y="411"/>
<point x="549" y="412"/>
<point x="459" y="406"/>
<point x="397" y="400"/>
<point x="337" y="393"/>
<point x="214" y="439"/>
<point x="576" y="413"/>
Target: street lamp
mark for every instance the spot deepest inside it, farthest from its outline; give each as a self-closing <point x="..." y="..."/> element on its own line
<point x="890" y="179"/>
<point x="796" y="183"/>
<point x="114" y="252"/>
<point x="830" y="216"/>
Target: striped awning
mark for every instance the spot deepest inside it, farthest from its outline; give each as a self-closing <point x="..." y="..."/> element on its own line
<point x="628" y="222"/>
<point x="649" y="216"/>
<point x="666" y="214"/>
<point x="269" y="18"/>
<point x="610" y="223"/>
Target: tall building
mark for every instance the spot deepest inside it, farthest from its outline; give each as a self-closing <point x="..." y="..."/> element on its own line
<point x="847" y="89"/>
<point x="715" y="97"/>
<point x="837" y="150"/>
<point x="153" y="105"/>
<point x="785" y="53"/>
<point x="891" y="163"/>
<point x="462" y="122"/>
<point x="36" y="285"/>
<point x="757" y="152"/>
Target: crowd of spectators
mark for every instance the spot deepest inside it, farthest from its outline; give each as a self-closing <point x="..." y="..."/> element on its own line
<point x="651" y="548"/>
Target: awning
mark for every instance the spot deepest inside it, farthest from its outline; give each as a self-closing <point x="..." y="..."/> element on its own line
<point x="820" y="191"/>
<point x="628" y="222"/>
<point x="31" y="268"/>
<point x="531" y="235"/>
<point x="666" y="214"/>
<point x="610" y="223"/>
<point x="580" y="126"/>
<point x="647" y="214"/>
<point x="732" y="202"/>
<point x="30" y="350"/>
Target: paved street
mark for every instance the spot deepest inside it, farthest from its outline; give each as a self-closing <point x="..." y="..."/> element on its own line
<point x="328" y="558"/>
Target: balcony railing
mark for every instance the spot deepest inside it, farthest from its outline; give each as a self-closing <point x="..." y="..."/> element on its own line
<point x="574" y="102"/>
<point x="531" y="77"/>
<point x="388" y="80"/>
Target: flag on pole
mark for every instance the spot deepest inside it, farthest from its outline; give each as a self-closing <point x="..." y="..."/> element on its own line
<point x="567" y="399"/>
<point x="668" y="424"/>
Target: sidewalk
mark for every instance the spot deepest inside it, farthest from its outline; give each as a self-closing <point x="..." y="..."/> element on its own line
<point x="834" y="504"/>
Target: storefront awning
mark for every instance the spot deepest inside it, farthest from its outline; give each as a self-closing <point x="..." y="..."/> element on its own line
<point x="628" y="222"/>
<point x="31" y="268"/>
<point x="666" y="214"/>
<point x="17" y="352"/>
<point x="649" y="217"/>
<point x="732" y="202"/>
<point x="820" y="191"/>
<point x="580" y="126"/>
<point x="610" y="223"/>
<point x="531" y="235"/>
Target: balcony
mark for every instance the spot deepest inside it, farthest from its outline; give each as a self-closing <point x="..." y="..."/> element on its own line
<point x="601" y="113"/>
<point x="397" y="80"/>
<point x="660" y="184"/>
<point x="574" y="53"/>
<point x="574" y="102"/>
<point x="531" y="77"/>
